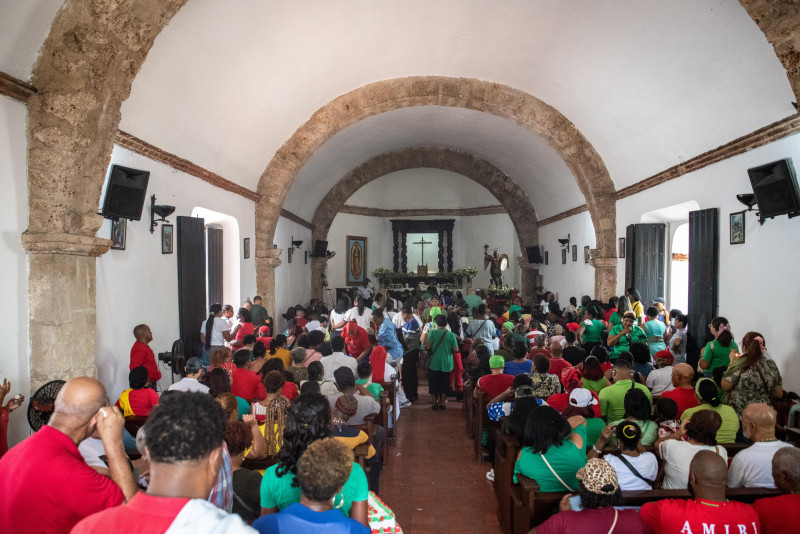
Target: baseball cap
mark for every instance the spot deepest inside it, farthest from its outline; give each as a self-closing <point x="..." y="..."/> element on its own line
<point x="581" y="397"/>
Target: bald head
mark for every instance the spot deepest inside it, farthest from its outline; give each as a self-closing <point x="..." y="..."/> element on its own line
<point x="758" y="422"/>
<point x="708" y="469"/>
<point x="79" y="399"/>
<point x="556" y="349"/>
<point x="786" y="469"/>
<point x="682" y="375"/>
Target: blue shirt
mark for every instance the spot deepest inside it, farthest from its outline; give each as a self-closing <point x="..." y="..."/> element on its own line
<point x="514" y="368"/>
<point x="298" y="519"/>
<point x="387" y="337"/>
<point x="410" y="327"/>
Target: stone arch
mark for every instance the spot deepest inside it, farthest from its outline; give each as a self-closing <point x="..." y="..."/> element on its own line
<point x="500" y="185"/>
<point x="511" y="104"/>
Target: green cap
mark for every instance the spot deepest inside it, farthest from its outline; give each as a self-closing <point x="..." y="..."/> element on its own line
<point x="435" y="310"/>
<point x="497" y="362"/>
<point x="508" y="325"/>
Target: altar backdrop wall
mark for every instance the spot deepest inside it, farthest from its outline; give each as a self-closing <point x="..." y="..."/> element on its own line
<point x="469" y="236"/>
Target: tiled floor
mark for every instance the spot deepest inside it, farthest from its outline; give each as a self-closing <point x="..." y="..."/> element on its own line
<point x="432" y="481"/>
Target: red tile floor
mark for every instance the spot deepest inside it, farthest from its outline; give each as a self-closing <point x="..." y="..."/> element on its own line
<point x="432" y="480"/>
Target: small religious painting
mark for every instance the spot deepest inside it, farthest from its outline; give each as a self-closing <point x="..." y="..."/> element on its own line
<point x="563" y="256"/>
<point x="119" y="227"/>
<point x="356" y="260"/>
<point x="737" y="228"/>
<point x="166" y="239"/>
<point x="621" y="247"/>
<point x="546" y="258"/>
<point x="246" y="247"/>
<point x="574" y="252"/>
<point x="586" y="254"/>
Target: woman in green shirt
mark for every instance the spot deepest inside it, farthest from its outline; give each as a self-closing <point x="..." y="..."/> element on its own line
<point x="623" y="305"/>
<point x="443" y="345"/>
<point x="638" y="410"/>
<point x="554" y="449"/>
<point x="308" y="420"/>
<point x="708" y="395"/>
<point x="591" y="327"/>
<point x="621" y="336"/>
<point x="717" y="352"/>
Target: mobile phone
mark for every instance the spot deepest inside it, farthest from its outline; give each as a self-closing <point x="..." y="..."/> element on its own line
<point x="575" y="503"/>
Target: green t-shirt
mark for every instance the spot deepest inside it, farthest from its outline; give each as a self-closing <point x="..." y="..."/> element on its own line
<point x="614" y="320"/>
<point x="243" y="406"/>
<point x="473" y="301"/>
<point x="655" y="329"/>
<point x="717" y="355"/>
<point x="612" y="399"/>
<point x="649" y="432"/>
<point x="374" y="389"/>
<point x="565" y="459"/>
<point x="730" y="421"/>
<point x="278" y="492"/>
<point x="595" y="385"/>
<point x="636" y="335"/>
<point x="506" y="354"/>
<point x="594" y="427"/>
<point x="442" y="358"/>
<point x="591" y="333"/>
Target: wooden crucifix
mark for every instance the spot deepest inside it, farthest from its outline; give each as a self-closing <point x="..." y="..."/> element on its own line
<point x="422" y="244"/>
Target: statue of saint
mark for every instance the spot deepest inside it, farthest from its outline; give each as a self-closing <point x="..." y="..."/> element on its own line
<point x="499" y="263"/>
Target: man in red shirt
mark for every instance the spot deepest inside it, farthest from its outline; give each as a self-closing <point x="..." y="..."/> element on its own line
<point x="244" y="382"/>
<point x="142" y="354"/>
<point x="781" y="515"/>
<point x="538" y="347"/>
<point x="46" y="484"/>
<point x="709" y="511"/>
<point x="356" y="339"/>
<point x="496" y="383"/>
<point x="181" y="477"/>
<point x="557" y="363"/>
<point x="683" y="394"/>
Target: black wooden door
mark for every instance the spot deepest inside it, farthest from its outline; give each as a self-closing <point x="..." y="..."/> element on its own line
<point x="645" y="262"/>
<point x="191" y="282"/>
<point x="215" y="265"/>
<point x="703" y="276"/>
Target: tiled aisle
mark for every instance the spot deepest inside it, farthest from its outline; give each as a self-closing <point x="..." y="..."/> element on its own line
<point x="432" y="482"/>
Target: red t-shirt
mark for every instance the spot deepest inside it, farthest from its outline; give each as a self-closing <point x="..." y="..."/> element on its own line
<point x="47" y="486"/>
<point x="142" y="354"/>
<point x="356" y="339"/>
<point x="247" y="385"/>
<point x="779" y="515"/>
<point x="3" y="431"/>
<point x="301" y="321"/>
<point x="557" y="365"/>
<point x="532" y="354"/>
<point x="246" y="329"/>
<point x="144" y="512"/>
<point x="142" y="401"/>
<point x="494" y="385"/>
<point x="290" y="391"/>
<point x="698" y="515"/>
<point x="597" y="521"/>
<point x="559" y="401"/>
<point x="683" y="397"/>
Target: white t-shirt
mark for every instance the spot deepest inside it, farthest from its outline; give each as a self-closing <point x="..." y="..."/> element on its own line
<point x="92" y="449"/>
<point x="752" y="467"/>
<point x="334" y="361"/>
<point x="362" y="320"/>
<point x="677" y="456"/>
<point x="219" y="326"/>
<point x="660" y="380"/>
<point x="313" y="325"/>
<point x="336" y="318"/>
<point x="189" y="384"/>
<point x="646" y="464"/>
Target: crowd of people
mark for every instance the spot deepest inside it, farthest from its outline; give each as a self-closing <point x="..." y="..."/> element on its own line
<point x="570" y="384"/>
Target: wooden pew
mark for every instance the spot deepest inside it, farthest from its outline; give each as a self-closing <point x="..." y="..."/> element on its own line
<point x="793" y="436"/>
<point x="469" y="408"/>
<point x="532" y="507"/>
<point x="134" y="422"/>
<point x="391" y="392"/>
<point x="480" y="421"/>
<point x="505" y="456"/>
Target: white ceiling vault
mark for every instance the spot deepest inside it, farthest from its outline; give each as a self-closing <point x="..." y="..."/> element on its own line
<point x="649" y="84"/>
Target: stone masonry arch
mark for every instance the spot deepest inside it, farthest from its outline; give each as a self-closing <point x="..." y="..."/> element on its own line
<point x="499" y="184"/>
<point x="512" y="104"/>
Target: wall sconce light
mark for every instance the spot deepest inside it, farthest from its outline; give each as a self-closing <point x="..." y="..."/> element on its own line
<point x="162" y="210"/>
<point x="294" y="246"/>
<point x="748" y="199"/>
<point x="564" y="242"/>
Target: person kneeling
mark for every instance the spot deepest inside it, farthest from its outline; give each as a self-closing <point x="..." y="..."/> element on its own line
<point x="322" y="471"/>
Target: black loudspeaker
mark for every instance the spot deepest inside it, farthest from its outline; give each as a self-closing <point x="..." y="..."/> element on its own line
<point x="533" y="255"/>
<point x="125" y="194"/>
<point x="320" y="249"/>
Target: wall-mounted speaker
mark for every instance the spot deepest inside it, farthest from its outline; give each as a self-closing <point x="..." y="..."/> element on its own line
<point x="320" y="249"/>
<point x="125" y="194"/>
<point x="534" y="256"/>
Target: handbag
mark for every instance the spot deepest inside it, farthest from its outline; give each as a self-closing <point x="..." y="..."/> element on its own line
<point x="429" y="354"/>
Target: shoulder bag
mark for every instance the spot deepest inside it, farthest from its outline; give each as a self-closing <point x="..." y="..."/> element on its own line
<point x="550" y="467"/>
<point x="633" y="470"/>
<point x="430" y="353"/>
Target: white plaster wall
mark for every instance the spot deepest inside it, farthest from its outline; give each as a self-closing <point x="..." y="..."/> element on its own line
<point x="576" y="278"/>
<point x="13" y="261"/>
<point x="469" y="236"/>
<point x="422" y="188"/>
<point x="759" y="288"/>
<point x="292" y="280"/>
<point x="139" y="284"/>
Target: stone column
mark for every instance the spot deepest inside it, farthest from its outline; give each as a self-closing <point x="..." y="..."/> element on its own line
<point x="265" y="278"/>
<point x="529" y="272"/>
<point x="318" y="266"/>
<point x="61" y="299"/>
<point x="605" y="275"/>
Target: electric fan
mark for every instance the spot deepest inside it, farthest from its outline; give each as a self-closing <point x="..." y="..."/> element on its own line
<point x="42" y="404"/>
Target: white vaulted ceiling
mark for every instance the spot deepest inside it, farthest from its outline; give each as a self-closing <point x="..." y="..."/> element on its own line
<point x="649" y="84"/>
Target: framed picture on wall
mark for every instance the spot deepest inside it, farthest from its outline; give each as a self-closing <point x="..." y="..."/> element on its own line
<point x="119" y="227"/>
<point x="737" y="228"/>
<point x="246" y="247"/>
<point x="586" y="254"/>
<point x="563" y="256"/>
<point x="574" y="252"/>
<point x="356" y="260"/>
<point x="166" y="239"/>
<point x="546" y="258"/>
<point x="621" y="247"/>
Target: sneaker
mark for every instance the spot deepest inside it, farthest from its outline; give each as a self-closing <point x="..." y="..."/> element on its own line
<point x="405" y="404"/>
<point x="490" y="475"/>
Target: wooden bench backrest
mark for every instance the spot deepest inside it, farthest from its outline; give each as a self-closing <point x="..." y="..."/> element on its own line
<point x="505" y="457"/>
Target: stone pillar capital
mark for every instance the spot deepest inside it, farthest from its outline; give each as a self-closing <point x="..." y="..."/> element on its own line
<point x="319" y="261"/>
<point x="602" y="262"/>
<point x="64" y="243"/>
<point x="270" y="260"/>
<point x="523" y="263"/>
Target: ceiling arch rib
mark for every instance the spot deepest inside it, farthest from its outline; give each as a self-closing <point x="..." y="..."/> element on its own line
<point x="500" y="185"/>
